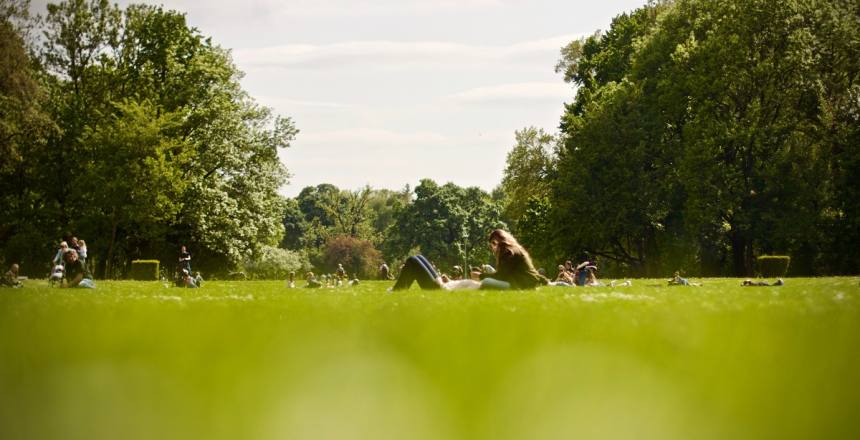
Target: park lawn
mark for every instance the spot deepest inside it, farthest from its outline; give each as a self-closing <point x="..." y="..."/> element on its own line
<point x="255" y="360"/>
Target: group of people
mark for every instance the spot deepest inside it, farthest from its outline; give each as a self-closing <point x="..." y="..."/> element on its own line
<point x="583" y="274"/>
<point x="183" y="276"/>
<point x="513" y="270"/>
<point x="69" y="265"/>
<point x="336" y="279"/>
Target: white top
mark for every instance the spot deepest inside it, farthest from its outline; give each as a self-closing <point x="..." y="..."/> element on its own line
<point x="461" y="285"/>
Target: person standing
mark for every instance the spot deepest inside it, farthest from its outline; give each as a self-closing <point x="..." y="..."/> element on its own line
<point x="82" y="250"/>
<point x="58" y="257"/>
<point x="184" y="259"/>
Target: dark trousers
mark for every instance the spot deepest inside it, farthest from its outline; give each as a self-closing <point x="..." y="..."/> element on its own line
<point x="417" y="268"/>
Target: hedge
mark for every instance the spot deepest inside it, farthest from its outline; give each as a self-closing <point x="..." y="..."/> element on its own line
<point x="773" y="266"/>
<point x="145" y="270"/>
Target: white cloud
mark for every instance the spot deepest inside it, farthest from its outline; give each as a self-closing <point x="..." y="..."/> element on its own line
<point x="556" y="91"/>
<point x="399" y="54"/>
<point x="287" y="103"/>
<point x="352" y="8"/>
<point x="374" y="137"/>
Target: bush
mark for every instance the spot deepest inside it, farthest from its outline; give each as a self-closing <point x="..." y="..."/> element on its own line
<point x="773" y="266"/>
<point x="144" y="270"/>
<point x="273" y="263"/>
<point x="358" y="257"/>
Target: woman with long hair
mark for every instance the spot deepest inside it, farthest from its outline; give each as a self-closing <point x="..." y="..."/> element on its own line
<point x="514" y="268"/>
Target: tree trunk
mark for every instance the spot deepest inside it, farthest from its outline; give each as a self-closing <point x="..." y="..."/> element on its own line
<point x="739" y="257"/>
<point x="109" y="259"/>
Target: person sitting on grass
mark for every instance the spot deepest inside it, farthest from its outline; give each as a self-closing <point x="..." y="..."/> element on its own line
<point x="76" y="274"/>
<point x="582" y="272"/>
<point x="187" y="281"/>
<point x="313" y="283"/>
<point x="10" y="279"/>
<point x="384" y="272"/>
<point x="514" y="268"/>
<point x="568" y="267"/>
<point x="678" y="281"/>
<point x="564" y="277"/>
<point x="751" y="283"/>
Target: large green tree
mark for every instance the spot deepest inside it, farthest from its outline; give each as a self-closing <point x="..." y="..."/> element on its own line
<point x="448" y="224"/>
<point x="25" y="126"/>
<point x="611" y="194"/>
<point x="157" y="144"/>
<point x="528" y="171"/>
<point x="697" y="128"/>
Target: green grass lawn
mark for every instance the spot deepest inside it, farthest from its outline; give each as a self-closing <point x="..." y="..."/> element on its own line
<point x="255" y="360"/>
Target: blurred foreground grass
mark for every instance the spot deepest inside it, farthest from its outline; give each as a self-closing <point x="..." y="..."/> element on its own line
<point x="255" y="360"/>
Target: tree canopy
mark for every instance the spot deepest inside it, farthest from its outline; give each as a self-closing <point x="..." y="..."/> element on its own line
<point x="156" y="144"/>
<point x="698" y="129"/>
<point x="701" y="134"/>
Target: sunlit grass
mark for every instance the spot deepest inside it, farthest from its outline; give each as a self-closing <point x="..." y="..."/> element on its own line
<point x="257" y="360"/>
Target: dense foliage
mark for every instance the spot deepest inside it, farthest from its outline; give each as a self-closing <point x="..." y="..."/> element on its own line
<point x="359" y="229"/>
<point x="129" y="128"/>
<point x="704" y="133"/>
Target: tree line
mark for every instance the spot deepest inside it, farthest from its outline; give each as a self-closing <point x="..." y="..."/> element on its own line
<point x="363" y="228"/>
<point x="701" y="134"/>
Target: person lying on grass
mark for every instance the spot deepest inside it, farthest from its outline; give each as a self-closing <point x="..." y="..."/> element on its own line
<point x="418" y="269"/>
<point x="76" y="274"/>
<point x="678" y="281"/>
<point x="514" y="270"/>
<point x="751" y="283"/>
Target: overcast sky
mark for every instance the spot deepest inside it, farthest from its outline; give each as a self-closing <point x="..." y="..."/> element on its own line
<point x="387" y="92"/>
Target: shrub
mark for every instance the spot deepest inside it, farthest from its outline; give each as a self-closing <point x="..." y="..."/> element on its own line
<point x="358" y="257"/>
<point x="144" y="270"/>
<point x="273" y="263"/>
<point x="772" y="266"/>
